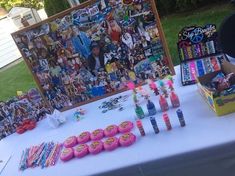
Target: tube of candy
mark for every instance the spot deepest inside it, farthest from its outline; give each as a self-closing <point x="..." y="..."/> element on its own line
<point x="140" y="127"/>
<point x="154" y="124"/>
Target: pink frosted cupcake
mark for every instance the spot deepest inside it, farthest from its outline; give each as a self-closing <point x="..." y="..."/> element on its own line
<point x="125" y="127"/>
<point x="111" y="131"/>
<point x="67" y="154"/>
<point x="96" y="147"/>
<point x="111" y="143"/>
<point x="84" y="137"/>
<point x="81" y="150"/>
<point x="70" y="142"/>
<point x="127" y="139"/>
<point x="97" y="135"/>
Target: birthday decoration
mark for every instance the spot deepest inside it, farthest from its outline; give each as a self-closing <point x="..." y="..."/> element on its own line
<point x="92" y="51"/>
<point x="199" y="52"/>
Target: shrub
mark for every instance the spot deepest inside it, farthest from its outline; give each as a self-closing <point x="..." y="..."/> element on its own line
<point x="53" y="7"/>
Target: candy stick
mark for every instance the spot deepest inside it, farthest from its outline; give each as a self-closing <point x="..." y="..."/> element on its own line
<point x="50" y="156"/>
<point x="21" y="160"/>
<point x="56" y="155"/>
<point x="60" y="146"/>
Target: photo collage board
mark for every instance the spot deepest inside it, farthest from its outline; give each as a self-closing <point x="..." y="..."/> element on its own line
<point x="94" y="50"/>
<point x="28" y="106"/>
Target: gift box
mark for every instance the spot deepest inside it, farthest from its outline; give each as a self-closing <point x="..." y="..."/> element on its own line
<point x="221" y="103"/>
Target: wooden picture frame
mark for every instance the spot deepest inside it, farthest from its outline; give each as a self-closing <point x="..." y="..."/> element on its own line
<point x="91" y="51"/>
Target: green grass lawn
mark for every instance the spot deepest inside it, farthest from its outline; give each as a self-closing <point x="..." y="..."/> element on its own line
<point x="174" y="23"/>
<point x="19" y="78"/>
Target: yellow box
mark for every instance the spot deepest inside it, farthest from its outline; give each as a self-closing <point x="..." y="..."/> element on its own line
<point x="223" y="104"/>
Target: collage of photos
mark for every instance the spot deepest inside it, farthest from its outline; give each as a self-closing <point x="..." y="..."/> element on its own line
<point x="28" y="106"/>
<point x="94" y="51"/>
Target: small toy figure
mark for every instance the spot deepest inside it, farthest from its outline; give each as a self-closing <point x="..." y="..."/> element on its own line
<point x="135" y="97"/>
<point x="164" y="91"/>
<point x="170" y="85"/>
<point x="170" y="78"/>
<point x="79" y="112"/>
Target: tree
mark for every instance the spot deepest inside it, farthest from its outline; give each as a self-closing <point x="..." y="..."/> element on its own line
<point x="8" y="4"/>
<point x="53" y="7"/>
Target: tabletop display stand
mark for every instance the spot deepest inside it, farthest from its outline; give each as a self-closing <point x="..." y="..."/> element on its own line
<point x="199" y="52"/>
<point x="92" y="50"/>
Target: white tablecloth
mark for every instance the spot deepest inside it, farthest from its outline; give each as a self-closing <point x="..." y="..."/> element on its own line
<point x="206" y="146"/>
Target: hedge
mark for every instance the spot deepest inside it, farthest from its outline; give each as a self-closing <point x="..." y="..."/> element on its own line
<point x="165" y="7"/>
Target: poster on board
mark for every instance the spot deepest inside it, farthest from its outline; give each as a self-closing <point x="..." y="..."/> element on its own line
<point x="94" y="49"/>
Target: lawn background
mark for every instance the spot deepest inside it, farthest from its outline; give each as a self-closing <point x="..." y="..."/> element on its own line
<point x="18" y="76"/>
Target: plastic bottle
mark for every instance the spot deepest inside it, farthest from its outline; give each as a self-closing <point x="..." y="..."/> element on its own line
<point x="163" y="104"/>
<point x="174" y="100"/>
<point x="151" y="108"/>
<point x="139" y="112"/>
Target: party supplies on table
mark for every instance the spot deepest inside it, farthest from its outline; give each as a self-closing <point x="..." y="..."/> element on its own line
<point x="199" y="52"/>
<point x="44" y="155"/>
<point x="218" y="89"/>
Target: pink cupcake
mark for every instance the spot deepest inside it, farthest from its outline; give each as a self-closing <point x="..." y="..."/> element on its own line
<point x="67" y="154"/>
<point x="96" y="147"/>
<point x="70" y="142"/>
<point x="97" y="135"/>
<point x="111" y="131"/>
<point x="84" y="137"/>
<point x="127" y="139"/>
<point x="111" y="143"/>
<point x="81" y="150"/>
<point x="125" y="127"/>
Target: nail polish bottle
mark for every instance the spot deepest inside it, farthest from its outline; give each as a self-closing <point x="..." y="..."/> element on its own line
<point x="174" y="100"/>
<point x="151" y="108"/>
<point x="139" y="112"/>
<point x="163" y="104"/>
